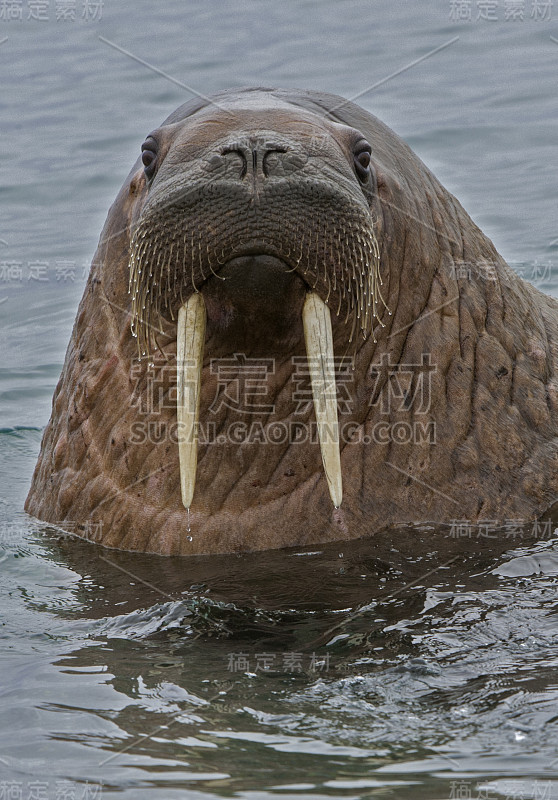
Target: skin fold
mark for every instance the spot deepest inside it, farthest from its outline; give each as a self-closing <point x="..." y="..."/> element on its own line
<point x="447" y="399"/>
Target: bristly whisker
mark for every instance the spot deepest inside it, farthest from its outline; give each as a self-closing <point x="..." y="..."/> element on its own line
<point x="173" y="254"/>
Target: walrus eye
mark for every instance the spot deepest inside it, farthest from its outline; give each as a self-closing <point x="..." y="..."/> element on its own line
<point x="362" y="157"/>
<point x="149" y="156"/>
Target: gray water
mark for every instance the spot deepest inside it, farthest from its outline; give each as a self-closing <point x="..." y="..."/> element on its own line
<point x="417" y="665"/>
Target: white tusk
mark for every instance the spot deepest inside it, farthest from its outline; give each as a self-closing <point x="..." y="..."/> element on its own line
<point x="316" y="319"/>
<point x="190" y="338"/>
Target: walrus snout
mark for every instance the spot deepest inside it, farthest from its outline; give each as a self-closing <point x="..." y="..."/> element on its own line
<point x="267" y="184"/>
<point x="188" y="232"/>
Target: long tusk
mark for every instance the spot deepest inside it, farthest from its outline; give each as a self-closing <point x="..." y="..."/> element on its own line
<point x="189" y="355"/>
<point x="316" y="319"/>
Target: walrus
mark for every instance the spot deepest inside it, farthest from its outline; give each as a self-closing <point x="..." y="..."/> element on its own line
<point x="291" y="333"/>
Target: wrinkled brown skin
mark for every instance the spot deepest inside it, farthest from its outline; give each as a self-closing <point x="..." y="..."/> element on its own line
<point x="494" y="392"/>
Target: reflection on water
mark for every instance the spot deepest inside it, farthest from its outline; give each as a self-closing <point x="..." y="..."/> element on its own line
<point x="413" y="660"/>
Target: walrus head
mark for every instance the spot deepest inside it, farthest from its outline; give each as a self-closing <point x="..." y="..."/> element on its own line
<point x="264" y="238"/>
<point x="292" y="193"/>
<point x="265" y="220"/>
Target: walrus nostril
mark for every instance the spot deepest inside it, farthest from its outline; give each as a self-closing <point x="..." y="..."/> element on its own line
<point x="262" y="157"/>
<point x="271" y="158"/>
<point x="240" y="151"/>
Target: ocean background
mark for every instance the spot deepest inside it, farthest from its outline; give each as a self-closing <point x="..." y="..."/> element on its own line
<point x="134" y="677"/>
